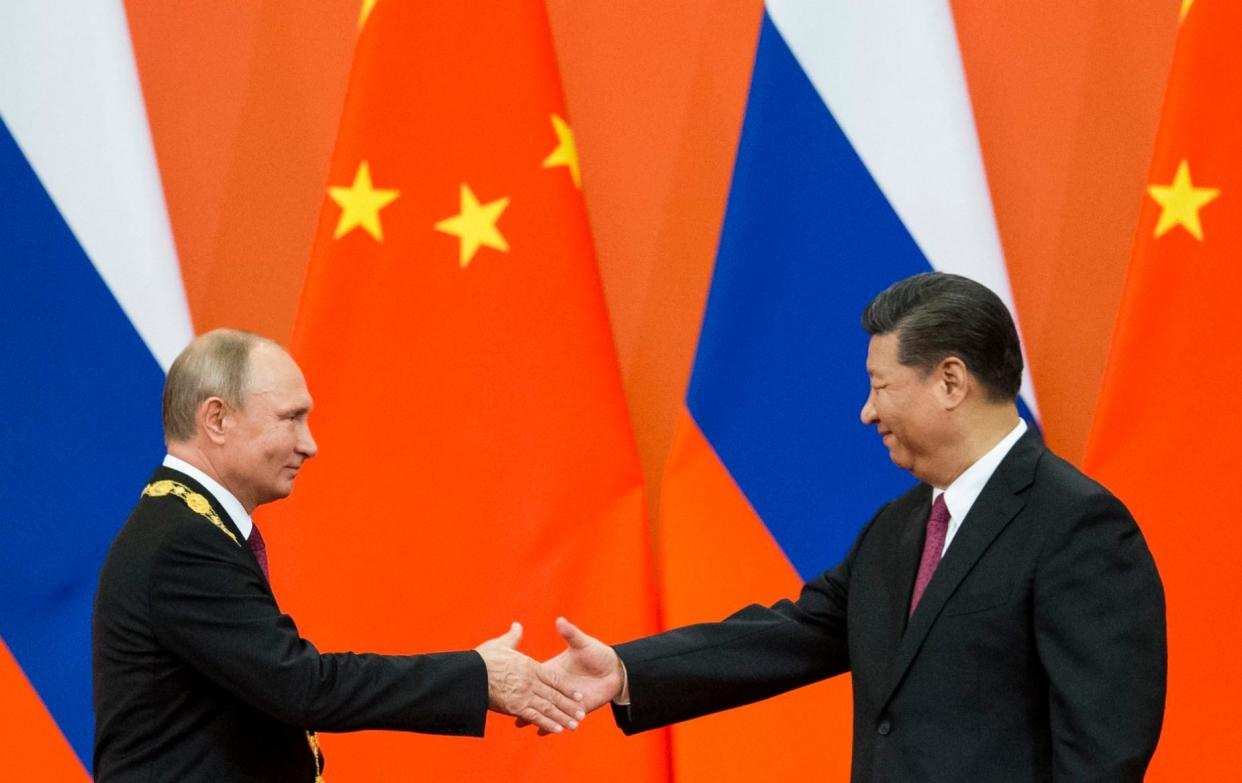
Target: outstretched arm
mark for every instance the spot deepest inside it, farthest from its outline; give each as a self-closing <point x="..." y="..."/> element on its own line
<point x="688" y="672"/>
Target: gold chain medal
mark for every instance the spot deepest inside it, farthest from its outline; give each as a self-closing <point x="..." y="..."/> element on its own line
<point x="312" y="739"/>
<point x="202" y="506"/>
<point x="159" y="488"/>
<point x="196" y="502"/>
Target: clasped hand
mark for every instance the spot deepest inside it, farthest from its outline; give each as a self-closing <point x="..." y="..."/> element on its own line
<point x="588" y="668"/>
<point x="533" y="692"/>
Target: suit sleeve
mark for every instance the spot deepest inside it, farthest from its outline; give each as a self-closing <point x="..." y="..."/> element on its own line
<point x="210" y="607"/>
<point x="1100" y="631"/>
<point x="754" y="654"/>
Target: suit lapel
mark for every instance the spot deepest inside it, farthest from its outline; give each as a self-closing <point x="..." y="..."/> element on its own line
<point x="996" y="506"/>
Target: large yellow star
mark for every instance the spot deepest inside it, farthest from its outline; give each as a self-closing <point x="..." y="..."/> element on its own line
<point x="1186" y="4"/>
<point x="566" y="152"/>
<point x="475" y="225"/>
<point x="1180" y="203"/>
<point x="360" y="204"/>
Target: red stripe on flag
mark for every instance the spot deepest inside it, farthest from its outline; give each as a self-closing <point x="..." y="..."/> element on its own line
<point x="716" y="557"/>
<point x="34" y="747"/>
<point x="476" y="462"/>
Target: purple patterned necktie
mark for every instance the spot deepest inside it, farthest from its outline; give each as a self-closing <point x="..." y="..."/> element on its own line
<point x="260" y="549"/>
<point x="933" y="547"/>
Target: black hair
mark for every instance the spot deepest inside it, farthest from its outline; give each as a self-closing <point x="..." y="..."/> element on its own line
<point x="936" y="315"/>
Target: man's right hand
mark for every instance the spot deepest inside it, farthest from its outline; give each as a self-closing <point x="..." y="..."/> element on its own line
<point x="589" y="667"/>
<point x="526" y="689"/>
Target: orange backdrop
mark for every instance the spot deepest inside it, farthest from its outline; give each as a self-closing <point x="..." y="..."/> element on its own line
<point x="244" y="100"/>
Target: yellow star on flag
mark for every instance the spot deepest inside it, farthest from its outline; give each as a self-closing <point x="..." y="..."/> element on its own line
<point x="475" y="225"/>
<point x="367" y="7"/>
<point x="360" y="204"/>
<point x="1180" y="203"/>
<point x="1186" y="4"/>
<point x="566" y="152"/>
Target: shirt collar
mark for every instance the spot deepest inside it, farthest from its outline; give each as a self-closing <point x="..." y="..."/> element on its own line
<point x="232" y="506"/>
<point x="961" y="495"/>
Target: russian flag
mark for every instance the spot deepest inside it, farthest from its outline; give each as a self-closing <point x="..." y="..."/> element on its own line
<point x="858" y="166"/>
<point x="92" y="311"/>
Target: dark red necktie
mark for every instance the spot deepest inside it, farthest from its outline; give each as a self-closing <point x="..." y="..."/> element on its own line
<point x="933" y="546"/>
<point x="260" y="550"/>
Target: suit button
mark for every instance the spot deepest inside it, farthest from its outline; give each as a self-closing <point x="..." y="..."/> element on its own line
<point x="884" y="728"/>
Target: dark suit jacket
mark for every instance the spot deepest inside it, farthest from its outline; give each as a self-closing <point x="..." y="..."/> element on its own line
<point x="200" y="677"/>
<point x="1037" y="652"/>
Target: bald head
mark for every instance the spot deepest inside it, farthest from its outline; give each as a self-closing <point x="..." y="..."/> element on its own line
<point x="215" y="364"/>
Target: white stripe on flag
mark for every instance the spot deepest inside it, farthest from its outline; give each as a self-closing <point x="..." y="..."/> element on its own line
<point x="891" y="74"/>
<point x="71" y="98"/>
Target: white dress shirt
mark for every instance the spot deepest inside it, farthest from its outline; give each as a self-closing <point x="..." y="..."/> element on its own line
<point x="964" y="491"/>
<point x="233" y="506"/>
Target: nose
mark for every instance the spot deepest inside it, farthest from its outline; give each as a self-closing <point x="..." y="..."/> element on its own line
<point x="306" y="443"/>
<point x="868" y="414"/>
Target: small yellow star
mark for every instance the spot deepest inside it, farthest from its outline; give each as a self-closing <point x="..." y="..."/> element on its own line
<point x="367" y="7"/>
<point x="360" y="204"/>
<point x="566" y="152"/>
<point x="475" y="225"/>
<point x="1186" y="4"/>
<point x="1180" y="203"/>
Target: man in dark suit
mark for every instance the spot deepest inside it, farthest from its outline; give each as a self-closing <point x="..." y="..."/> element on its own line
<point x="198" y="675"/>
<point x="1003" y="621"/>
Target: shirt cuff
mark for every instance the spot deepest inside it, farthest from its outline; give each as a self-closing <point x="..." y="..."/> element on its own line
<point x="623" y="697"/>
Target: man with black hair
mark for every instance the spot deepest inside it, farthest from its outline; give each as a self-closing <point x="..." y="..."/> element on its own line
<point x="1003" y="621"/>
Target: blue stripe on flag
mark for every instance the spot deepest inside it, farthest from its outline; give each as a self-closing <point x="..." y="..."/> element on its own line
<point x="779" y="378"/>
<point x="83" y="396"/>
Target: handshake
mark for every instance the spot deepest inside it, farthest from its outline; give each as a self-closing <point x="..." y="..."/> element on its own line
<point x="558" y="693"/>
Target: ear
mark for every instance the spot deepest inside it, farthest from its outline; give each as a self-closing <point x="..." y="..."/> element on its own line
<point x="211" y="419"/>
<point x="954" y="381"/>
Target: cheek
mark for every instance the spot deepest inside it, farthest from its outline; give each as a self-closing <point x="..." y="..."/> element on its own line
<point x="889" y="408"/>
<point x="275" y="448"/>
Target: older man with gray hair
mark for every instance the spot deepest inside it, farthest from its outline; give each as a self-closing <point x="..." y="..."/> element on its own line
<point x="198" y="675"/>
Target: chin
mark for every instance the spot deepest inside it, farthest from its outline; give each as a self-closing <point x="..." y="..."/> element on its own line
<point x="279" y="493"/>
<point x="901" y="461"/>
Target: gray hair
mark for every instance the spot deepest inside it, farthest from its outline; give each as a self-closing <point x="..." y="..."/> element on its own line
<point x="215" y="364"/>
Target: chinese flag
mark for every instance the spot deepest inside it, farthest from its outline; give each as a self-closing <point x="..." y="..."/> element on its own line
<point x="476" y="460"/>
<point x="1169" y="424"/>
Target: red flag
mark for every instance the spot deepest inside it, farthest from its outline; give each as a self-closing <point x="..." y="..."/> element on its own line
<point x="1167" y="429"/>
<point x="476" y="462"/>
